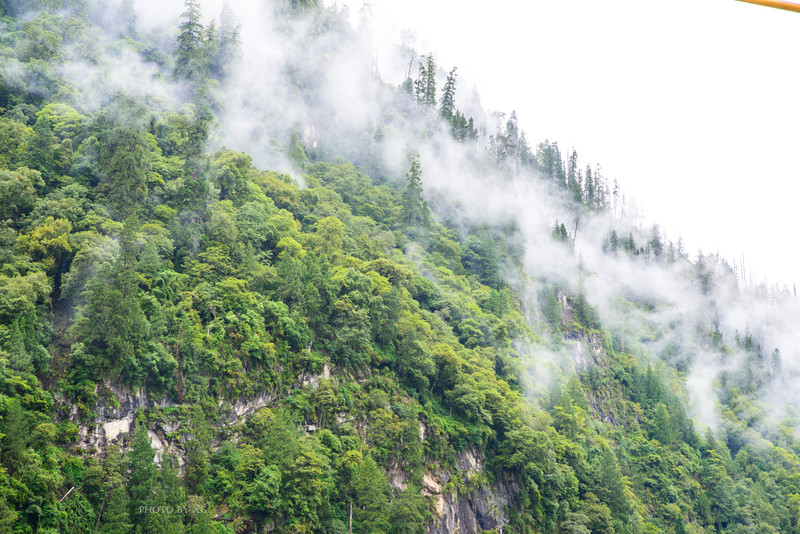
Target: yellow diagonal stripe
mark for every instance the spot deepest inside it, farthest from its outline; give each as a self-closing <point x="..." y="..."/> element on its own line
<point x="788" y="6"/>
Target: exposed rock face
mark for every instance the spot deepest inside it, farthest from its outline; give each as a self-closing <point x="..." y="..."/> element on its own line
<point x="476" y="508"/>
<point x="467" y="506"/>
<point x="114" y="421"/>
<point x="586" y="351"/>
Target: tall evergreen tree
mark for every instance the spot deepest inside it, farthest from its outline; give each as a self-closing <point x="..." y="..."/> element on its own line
<point x="415" y="211"/>
<point x="372" y="499"/>
<point x="656" y="245"/>
<point x="113" y="516"/>
<point x="39" y="150"/>
<point x="141" y="486"/>
<point x="228" y="48"/>
<point x="574" y="176"/>
<point x="448" y="101"/>
<point x="14" y="437"/>
<point x="190" y="55"/>
<point x="590" y="194"/>
<point x="125" y="156"/>
<point x="425" y="84"/>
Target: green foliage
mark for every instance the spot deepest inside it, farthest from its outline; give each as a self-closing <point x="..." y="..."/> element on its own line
<point x="301" y="348"/>
<point x="415" y="214"/>
<point x="125" y="157"/>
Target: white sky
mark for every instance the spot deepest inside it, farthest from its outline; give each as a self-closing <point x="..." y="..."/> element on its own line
<point x="691" y="104"/>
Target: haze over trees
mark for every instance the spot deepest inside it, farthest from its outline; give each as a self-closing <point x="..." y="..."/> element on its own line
<point x="403" y="309"/>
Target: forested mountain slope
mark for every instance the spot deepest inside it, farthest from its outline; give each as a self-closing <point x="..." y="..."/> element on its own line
<point x="247" y="286"/>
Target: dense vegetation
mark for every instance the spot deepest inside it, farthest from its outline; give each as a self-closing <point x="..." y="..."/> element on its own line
<point x="139" y="254"/>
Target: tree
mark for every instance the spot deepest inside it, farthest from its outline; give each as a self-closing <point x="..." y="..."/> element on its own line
<point x="611" y="488"/>
<point x="662" y="424"/>
<point x="125" y="155"/>
<point x="448" y="103"/>
<point x="113" y="515"/>
<point x="230" y="171"/>
<point x="191" y="61"/>
<point x="655" y="244"/>
<point x="408" y="511"/>
<point x="590" y="189"/>
<point x="574" y="177"/>
<point x="114" y="326"/>
<point x="372" y="501"/>
<point x="18" y="191"/>
<point x="143" y="477"/>
<point x="560" y="233"/>
<point x="14" y="436"/>
<point x="228" y="49"/>
<point x="39" y="150"/>
<point x="425" y="85"/>
<point x="415" y="211"/>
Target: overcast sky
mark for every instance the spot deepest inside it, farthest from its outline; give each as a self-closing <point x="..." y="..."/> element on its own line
<point x="691" y="104"/>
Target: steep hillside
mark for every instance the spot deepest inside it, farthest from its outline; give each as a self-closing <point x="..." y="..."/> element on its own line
<point x="247" y="286"/>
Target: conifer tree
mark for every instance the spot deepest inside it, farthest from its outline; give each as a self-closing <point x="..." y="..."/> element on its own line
<point x="415" y="211"/>
<point x="126" y="157"/>
<point x="590" y="195"/>
<point x="574" y="176"/>
<point x="14" y="437"/>
<point x="655" y="244"/>
<point x="39" y="153"/>
<point x="448" y="103"/>
<point x="612" y="486"/>
<point x="142" y="481"/>
<point x="601" y="190"/>
<point x="113" y="516"/>
<point x="425" y="85"/>
<point x="430" y="82"/>
<point x="228" y="49"/>
<point x="190" y="54"/>
<point x="371" y="491"/>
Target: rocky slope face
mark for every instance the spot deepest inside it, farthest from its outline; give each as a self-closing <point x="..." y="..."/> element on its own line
<point x="461" y="500"/>
<point x="468" y="506"/>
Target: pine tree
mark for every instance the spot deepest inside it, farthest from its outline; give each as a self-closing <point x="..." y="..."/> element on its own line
<point x="425" y="84"/>
<point x="14" y="436"/>
<point x="601" y="189"/>
<point x="448" y="101"/>
<point x="430" y="82"/>
<point x="590" y="195"/>
<point x="655" y="244"/>
<point x="574" y="176"/>
<point x="559" y="176"/>
<point x="125" y="156"/>
<point x="190" y="61"/>
<point x="113" y="516"/>
<point x="143" y="477"/>
<point x="415" y="211"/>
<point x="612" y="487"/>
<point x="663" y="430"/>
<point x="472" y="133"/>
<point x="372" y="499"/>
<point x="170" y="493"/>
<point x="114" y="325"/>
<point x="39" y="153"/>
<point x="229" y="48"/>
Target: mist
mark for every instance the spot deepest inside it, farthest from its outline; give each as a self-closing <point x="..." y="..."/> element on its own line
<point x="316" y="80"/>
